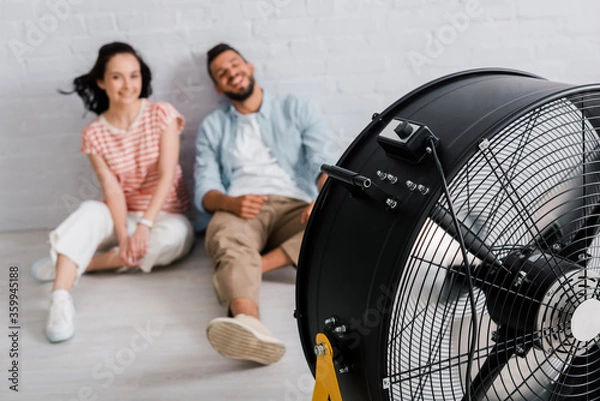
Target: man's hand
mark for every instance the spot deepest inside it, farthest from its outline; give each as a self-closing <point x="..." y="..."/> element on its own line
<point x="246" y="206"/>
<point x="306" y="213"/>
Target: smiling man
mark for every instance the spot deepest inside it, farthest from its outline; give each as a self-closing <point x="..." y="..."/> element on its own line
<point x="257" y="174"/>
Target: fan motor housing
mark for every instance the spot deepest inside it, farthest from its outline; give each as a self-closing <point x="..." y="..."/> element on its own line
<point x="517" y="296"/>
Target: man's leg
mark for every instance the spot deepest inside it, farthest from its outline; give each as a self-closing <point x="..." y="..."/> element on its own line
<point x="244" y="306"/>
<point x="275" y="259"/>
<point x="234" y="244"/>
<point x="286" y="235"/>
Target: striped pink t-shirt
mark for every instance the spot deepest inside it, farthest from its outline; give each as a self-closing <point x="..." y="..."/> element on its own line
<point x="132" y="155"/>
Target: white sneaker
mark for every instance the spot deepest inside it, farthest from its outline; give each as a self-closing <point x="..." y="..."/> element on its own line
<point x="244" y="337"/>
<point x="44" y="269"/>
<point x="60" y="326"/>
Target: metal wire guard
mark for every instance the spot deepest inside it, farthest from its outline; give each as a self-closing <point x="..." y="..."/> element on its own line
<point x="528" y="191"/>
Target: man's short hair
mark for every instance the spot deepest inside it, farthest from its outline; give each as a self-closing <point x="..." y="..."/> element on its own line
<point x="213" y="53"/>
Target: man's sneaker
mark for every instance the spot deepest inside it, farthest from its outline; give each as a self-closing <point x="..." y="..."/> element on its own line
<point x="60" y="326"/>
<point x="44" y="269"/>
<point x="244" y="337"/>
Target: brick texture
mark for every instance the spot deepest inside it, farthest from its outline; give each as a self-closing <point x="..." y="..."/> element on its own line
<point x="352" y="57"/>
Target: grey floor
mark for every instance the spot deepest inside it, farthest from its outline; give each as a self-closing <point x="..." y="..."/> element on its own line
<point x="142" y="336"/>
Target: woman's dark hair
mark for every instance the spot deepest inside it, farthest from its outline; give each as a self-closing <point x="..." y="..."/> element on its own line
<point x="94" y="98"/>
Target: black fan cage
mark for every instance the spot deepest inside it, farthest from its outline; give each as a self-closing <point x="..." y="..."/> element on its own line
<point x="489" y="291"/>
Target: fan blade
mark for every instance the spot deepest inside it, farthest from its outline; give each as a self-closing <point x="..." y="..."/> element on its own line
<point x="557" y="210"/>
<point x="489" y="371"/>
<point x="455" y="285"/>
<point x="580" y="381"/>
<point x="473" y="242"/>
<point x="440" y="267"/>
<point x="572" y="198"/>
<point x="584" y="236"/>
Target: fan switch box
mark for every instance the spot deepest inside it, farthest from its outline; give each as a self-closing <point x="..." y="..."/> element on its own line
<point x="407" y="140"/>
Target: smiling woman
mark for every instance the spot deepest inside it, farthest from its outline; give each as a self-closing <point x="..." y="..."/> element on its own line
<point x="133" y="146"/>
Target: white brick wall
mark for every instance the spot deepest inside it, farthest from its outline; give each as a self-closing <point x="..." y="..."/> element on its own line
<point x="353" y="57"/>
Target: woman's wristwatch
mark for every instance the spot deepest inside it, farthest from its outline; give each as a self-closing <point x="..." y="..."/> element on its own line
<point x="146" y="222"/>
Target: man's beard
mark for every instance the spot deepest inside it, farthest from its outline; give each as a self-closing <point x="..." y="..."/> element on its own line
<point x="241" y="96"/>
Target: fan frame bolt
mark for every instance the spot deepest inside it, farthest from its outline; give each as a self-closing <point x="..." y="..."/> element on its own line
<point x="330" y="320"/>
<point x="556" y="247"/>
<point x="387" y="176"/>
<point x="340" y="329"/>
<point x="343" y="369"/>
<point x="320" y="349"/>
<point x="582" y="256"/>
<point x="411" y="185"/>
<point x="520" y="351"/>
<point x="423" y="189"/>
<point x="484" y="144"/>
<point x="392" y="204"/>
<point x="521" y="277"/>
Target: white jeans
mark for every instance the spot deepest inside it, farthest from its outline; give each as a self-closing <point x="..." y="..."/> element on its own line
<point x="90" y="229"/>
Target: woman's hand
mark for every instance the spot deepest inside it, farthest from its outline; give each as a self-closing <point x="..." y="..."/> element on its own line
<point x="138" y="244"/>
<point x="133" y="249"/>
<point x="124" y="253"/>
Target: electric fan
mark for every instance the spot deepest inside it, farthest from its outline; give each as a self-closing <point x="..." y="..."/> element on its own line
<point x="453" y="253"/>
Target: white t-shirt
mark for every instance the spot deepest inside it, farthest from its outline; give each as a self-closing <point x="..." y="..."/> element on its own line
<point x="255" y="169"/>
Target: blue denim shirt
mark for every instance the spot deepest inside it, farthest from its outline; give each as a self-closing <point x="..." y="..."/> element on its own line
<point x="291" y="127"/>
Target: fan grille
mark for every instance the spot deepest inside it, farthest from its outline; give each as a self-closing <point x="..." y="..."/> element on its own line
<point x="528" y="190"/>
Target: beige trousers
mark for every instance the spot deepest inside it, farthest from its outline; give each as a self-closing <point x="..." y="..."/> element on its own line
<point x="235" y="245"/>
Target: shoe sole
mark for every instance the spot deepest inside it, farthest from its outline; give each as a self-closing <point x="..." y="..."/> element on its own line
<point x="237" y="341"/>
<point x="60" y="337"/>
